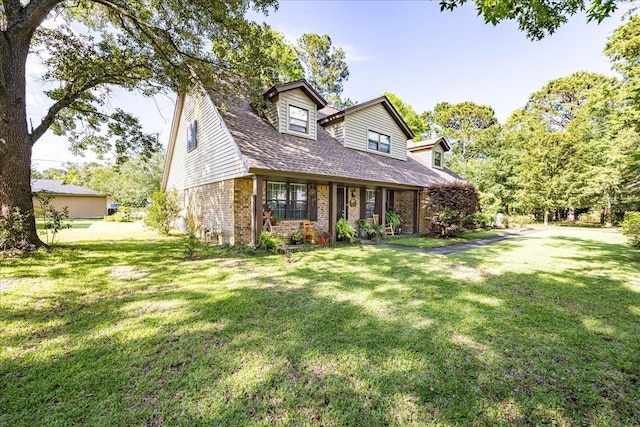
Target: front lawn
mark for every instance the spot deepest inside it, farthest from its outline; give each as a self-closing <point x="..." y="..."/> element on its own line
<point x="431" y="242"/>
<point x="539" y="330"/>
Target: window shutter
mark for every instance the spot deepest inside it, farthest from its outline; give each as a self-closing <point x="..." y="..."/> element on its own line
<point x="363" y="203"/>
<point x="312" y="202"/>
<point x="378" y="200"/>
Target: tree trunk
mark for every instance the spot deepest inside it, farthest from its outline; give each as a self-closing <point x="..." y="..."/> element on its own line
<point x="15" y="140"/>
<point x="546" y="216"/>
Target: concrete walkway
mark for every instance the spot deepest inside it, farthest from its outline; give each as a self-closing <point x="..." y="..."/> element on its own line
<point x="457" y="247"/>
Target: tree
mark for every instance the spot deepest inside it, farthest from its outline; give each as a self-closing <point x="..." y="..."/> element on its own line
<point x="539" y="18"/>
<point x="325" y="66"/>
<point x="143" y="46"/>
<point x="470" y="127"/>
<point x="409" y="115"/>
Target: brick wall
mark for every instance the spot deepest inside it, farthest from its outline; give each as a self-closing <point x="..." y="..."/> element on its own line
<point x="242" y="204"/>
<point x="353" y="212"/>
<point x="212" y="208"/>
<point x="403" y="202"/>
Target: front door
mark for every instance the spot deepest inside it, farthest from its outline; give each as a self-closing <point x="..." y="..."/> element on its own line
<point x="342" y="203"/>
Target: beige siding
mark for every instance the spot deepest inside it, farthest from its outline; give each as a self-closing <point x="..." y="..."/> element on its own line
<point x="425" y="157"/>
<point x="216" y="156"/>
<point x="336" y="130"/>
<point x="298" y="99"/>
<point x="79" y="206"/>
<point x="377" y="119"/>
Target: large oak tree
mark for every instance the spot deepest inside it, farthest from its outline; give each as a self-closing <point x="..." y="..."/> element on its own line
<point x="91" y="46"/>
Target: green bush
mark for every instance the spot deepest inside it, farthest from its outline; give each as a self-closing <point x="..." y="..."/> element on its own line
<point x="162" y="212"/>
<point x="269" y="241"/>
<point x="54" y="220"/>
<point x="631" y="228"/>
<point x="518" y="221"/>
<point x="122" y="215"/>
<point x="13" y="231"/>
<point x="475" y="221"/>
<point x="591" y="217"/>
<point x="345" y="230"/>
<point x="392" y="217"/>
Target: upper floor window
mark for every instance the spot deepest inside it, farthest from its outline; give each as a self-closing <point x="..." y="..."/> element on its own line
<point x="298" y="119"/>
<point x="288" y="201"/>
<point x="437" y="159"/>
<point x="379" y="142"/>
<point x="192" y="136"/>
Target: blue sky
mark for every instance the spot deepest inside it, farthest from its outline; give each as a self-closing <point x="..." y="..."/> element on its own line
<point x="409" y="48"/>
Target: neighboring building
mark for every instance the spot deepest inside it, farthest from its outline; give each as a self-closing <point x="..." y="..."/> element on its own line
<point x="305" y="159"/>
<point x="82" y="202"/>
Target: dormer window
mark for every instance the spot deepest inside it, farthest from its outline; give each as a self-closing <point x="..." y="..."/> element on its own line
<point x="298" y="119"/>
<point x="379" y="142"/>
<point x="437" y="159"/>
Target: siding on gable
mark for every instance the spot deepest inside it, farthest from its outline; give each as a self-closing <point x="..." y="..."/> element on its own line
<point x="216" y="156"/>
<point x="377" y="119"/>
<point x="425" y="157"/>
<point x="336" y="130"/>
<point x="297" y="98"/>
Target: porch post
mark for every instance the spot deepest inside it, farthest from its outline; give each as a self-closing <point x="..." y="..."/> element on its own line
<point x="383" y="205"/>
<point x="416" y="212"/>
<point x="333" y="209"/>
<point x="256" y="211"/>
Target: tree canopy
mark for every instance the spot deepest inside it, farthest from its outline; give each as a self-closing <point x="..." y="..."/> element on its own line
<point x="146" y="47"/>
<point x="539" y="18"/>
<point x="410" y="116"/>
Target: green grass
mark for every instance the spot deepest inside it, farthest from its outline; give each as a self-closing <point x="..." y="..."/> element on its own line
<point x="540" y="330"/>
<point x="430" y="242"/>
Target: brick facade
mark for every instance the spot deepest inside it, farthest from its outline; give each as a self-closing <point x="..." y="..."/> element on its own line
<point x="403" y="202"/>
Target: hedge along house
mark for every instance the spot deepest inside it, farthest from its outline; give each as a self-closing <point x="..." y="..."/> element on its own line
<point x="304" y="159"/>
<point x="82" y="202"/>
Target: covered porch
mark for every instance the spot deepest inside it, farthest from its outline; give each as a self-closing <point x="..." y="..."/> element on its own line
<point x="298" y="198"/>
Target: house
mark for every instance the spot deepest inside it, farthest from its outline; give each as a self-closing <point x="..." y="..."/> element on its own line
<point x="82" y="202"/>
<point x="304" y="159"/>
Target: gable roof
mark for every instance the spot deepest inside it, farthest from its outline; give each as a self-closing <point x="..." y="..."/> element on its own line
<point x="381" y="100"/>
<point x="58" y="186"/>
<point x="298" y="84"/>
<point x="428" y="144"/>
<point x="265" y="150"/>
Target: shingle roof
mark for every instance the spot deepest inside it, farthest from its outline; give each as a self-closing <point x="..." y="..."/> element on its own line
<point x="58" y="186"/>
<point x="264" y="148"/>
<point x="428" y="143"/>
<point x="301" y="84"/>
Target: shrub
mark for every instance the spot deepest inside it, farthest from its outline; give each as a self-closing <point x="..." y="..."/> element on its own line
<point x="448" y="204"/>
<point x="373" y="231"/>
<point x="296" y="237"/>
<point x="122" y="215"/>
<point x="518" y="220"/>
<point x="162" y="212"/>
<point x="269" y="241"/>
<point x="345" y="230"/>
<point x="13" y="231"/>
<point x="631" y="228"/>
<point x="54" y="220"/>
<point x="591" y="217"/>
<point x="475" y="221"/>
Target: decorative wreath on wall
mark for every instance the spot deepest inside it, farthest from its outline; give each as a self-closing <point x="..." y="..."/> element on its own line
<point x="353" y="202"/>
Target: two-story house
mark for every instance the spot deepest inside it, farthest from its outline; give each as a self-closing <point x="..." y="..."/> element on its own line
<point x="304" y="159"/>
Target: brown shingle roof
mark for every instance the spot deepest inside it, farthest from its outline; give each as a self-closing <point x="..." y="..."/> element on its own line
<point x="265" y="149"/>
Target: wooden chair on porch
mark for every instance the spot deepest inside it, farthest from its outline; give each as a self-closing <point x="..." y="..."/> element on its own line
<point x="388" y="230"/>
<point x="307" y="232"/>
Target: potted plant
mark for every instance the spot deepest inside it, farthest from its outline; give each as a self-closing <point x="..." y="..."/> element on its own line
<point x="374" y="231"/>
<point x="275" y="220"/>
<point x="361" y="224"/>
<point x="296" y="237"/>
<point x="393" y="218"/>
<point x="344" y="230"/>
<point x="323" y="238"/>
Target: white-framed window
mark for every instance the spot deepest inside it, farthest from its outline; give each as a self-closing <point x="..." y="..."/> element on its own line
<point x="379" y="142"/>
<point x="298" y="119"/>
<point x="369" y="203"/>
<point x="437" y="159"/>
<point x="287" y="200"/>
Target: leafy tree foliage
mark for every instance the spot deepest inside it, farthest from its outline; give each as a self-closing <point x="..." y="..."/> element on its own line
<point x="143" y="46"/>
<point x="471" y="128"/>
<point x="325" y="65"/>
<point x="538" y="18"/>
<point x="448" y="205"/>
<point x="410" y="116"/>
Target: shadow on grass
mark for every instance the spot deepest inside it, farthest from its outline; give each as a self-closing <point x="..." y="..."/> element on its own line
<point x="353" y="336"/>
